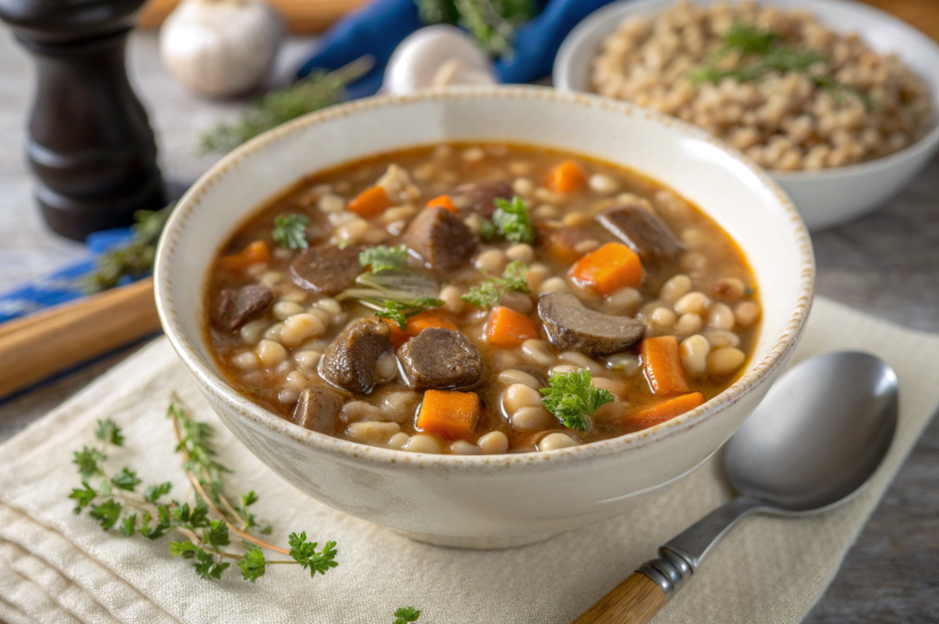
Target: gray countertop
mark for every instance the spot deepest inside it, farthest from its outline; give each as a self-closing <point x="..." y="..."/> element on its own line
<point x="885" y="264"/>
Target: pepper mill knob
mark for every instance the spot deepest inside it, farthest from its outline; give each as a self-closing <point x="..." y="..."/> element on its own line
<point x="90" y="143"/>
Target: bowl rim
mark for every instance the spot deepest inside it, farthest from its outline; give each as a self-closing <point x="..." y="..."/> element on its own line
<point x="215" y="385"/>
<point x="599" y="19"/>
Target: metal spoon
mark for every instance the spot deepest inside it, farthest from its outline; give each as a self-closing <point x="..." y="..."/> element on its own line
<point x="816" y="438"/>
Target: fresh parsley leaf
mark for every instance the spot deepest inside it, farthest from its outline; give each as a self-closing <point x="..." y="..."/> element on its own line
<point x="248" y="518"/>
<point x="487" y="231"/>
<point x="153" y="493"/>
<point x="83" y="496"/>
<point x="125" y="480"/>
<point x="383" y="257"/>
<point x="109" y="432"/>
<point x="186" y="550"/>
<point x="406" y="615"/>
<point x="208" y="566"/>
<point x="489" y="292"/>
<point x="399" y="312"/>
<point x="571" y="397"/>
<point x="512" y="221"/>
<point x="129" y="525"/>
<point x="215" y="535"/>
<point x="304" y="553"/>
<point x="87" y="461"/>
<point x="290" y="230"/>
<point x="106" y="513"/>
<point x="254" y="564"/>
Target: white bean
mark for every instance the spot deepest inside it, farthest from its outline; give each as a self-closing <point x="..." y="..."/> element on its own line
<point x="422" y="443"/>
<point x="628" y="363"/>
<point x="451" y="298"/>
<point x="720" y="316"/>
<point x="694" y="352"/>
<point x="286" y="309"/>
<point x="273" y="332"/>
<point x="720" y="338"/>
<point x="580" y="360"/>
<point x="537" y="274"/>
<point x="329" y="305"/>
<point x="523" y="187"/>
<point x="399" y="406"/>
<point x="299" y="327"/>
<point x="693" y="303"/>
<point x="492" y="260"/>
<point x="662" y="318"/>
<point x="553" y="284"/>
<point x="307" y="360"/>
<point x="532" y="419"/>
<point x="252" y="331"/>
<point x="518" y="396"/>
<point x="375" y="433"/>
<point x="689" y="324"/>
<point x="602" y="184"/>
<point x="521" y="252"/>
<point x="623" y="301"/>
<point x="512" y="376"/>
<point x="387" y="367"/>
<point x="554" y="441"/>
<point x="747" y="313"/>
<point x="675" y="288"/>
<point x="617" y="387"/>
<point x="538" y="352"/>
<point x="354" y="411"/>
<point x="331" y="203"/>
<point x="462" y="447"/>
<point x="246" y="361"/>
<point x="493" y="443"/>
<point x="271" y="353"/>
<point x="724" y="361"/>
<point x="730" y="288"/>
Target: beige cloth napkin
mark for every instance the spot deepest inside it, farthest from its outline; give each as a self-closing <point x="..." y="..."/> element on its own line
<point x="57" y="567"/>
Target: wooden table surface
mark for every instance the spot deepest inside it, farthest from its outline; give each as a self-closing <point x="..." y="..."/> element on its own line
<point x="885" y="264"/>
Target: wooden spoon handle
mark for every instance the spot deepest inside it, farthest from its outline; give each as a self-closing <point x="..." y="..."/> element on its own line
<point x="634" y="601"/>
<point x="42" y="344"/>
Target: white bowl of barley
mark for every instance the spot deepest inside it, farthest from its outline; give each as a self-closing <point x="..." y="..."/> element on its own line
<point x="853" y="162"/>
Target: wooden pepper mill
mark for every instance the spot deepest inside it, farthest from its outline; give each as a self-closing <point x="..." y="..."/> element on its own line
<point x="90" y="143"/>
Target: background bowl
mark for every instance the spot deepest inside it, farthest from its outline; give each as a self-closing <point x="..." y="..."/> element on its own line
<point x="489" y="501"/>
<point x="824" y="198"/>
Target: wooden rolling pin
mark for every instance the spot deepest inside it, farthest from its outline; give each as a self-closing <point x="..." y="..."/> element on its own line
<point x="40" y="345"/>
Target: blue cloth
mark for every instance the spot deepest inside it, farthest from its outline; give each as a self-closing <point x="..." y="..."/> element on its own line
<point x="378" y="28"/>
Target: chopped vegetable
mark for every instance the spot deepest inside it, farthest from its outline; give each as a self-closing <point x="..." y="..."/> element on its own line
<point x="512" y="221"/>
<point x="443" y="201"/>
<point x="508" y="328"/>
<point x="406" y="615"/>
<point x="608" y="269"/>
<point x="572" y="398"/>
<point x="561" y="242"/>
<point x="399" y="312"/>
<point x="255" y="253"/>
<point x="290" y="230"/>
<point x="567" y="177"/>
<point x="449" y="414"/>
<point x="382" y="257"/>
<point x="489" y="292"/>
<point x="666" y="410"/>
<point x="661" y="361"/>
<point x="418" y="323"/>
<point x="370" y="202"/>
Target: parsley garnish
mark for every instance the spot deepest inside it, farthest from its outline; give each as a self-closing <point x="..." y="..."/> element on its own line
<point x="512" y="221"/>
<point x="400" y="312"/>
<point x="571" y="397"/>
<point x="406" y="615"/>
<point x="489" y="292"/>
<point x="290" y="230"/>
<point x="383" y="257"/>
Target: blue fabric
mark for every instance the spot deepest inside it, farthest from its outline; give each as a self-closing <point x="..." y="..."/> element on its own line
<point x="378" y="28"/>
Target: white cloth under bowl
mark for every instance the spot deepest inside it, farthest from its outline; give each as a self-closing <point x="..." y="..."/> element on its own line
<point x="58" y="567"/>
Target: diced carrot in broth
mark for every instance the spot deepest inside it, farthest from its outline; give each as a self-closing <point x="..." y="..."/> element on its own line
<point x="666" y="410"/>
<point x="566" y="177"/>
<point x="370" y="202"/>
<point x="255" y="253"/>
<point x="508" y="328"/>
<point x="417" y="324"/>
<point x="449" y="414"/>
<point x="661" y="361"/>
<point x="608" y="269"/>
<point x="443" y="201"/>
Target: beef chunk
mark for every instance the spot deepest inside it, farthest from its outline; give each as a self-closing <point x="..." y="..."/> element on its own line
<point x="440" y="358"/>
<point x="571" y="325"/>
<point x="561" y="241"/>
<point x="349" y="361"/>
<point x="642" y="231"/>
<point x="318" y="409"/>
<point x="440" y="238"/>
<point x="482" y="195"/>
<point x="236" y="307"/>
<point x="326" y="268"/>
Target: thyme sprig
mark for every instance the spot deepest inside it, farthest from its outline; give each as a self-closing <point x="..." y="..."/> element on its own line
<point x="492" y="22"/>
<point x="205" y="523"/>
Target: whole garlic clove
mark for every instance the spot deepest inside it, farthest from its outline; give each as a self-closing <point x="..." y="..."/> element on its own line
<point x="436" y="55"/>
<point x="221" y="48"/>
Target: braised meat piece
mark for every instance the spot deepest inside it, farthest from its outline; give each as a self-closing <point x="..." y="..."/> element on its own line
<point x="571" y="325"/>
<point x="236" y="307"/>
<point x="482" y="195"/>
<point x="326" y="269"/>
<point x="563" y="242"/>
<point x="642" y="231"/>
<point x="318" y="409"/>
<point x="440" y="358"/>
<point x="350" y="360"/>
<point x="440" y="238"/>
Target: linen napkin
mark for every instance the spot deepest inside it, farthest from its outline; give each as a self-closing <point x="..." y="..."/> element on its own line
<point x="58" y="567"/>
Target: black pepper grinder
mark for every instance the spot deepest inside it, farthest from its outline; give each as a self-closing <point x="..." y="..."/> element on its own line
<point x="90" y="143"/>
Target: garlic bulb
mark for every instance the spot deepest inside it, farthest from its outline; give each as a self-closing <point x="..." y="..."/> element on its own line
<point x="436" y="55"/>
<point x="220" y="48"/>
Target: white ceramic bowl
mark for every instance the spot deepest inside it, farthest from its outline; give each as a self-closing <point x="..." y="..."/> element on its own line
<point x="490" y="501"/>
<point x="825" y="198"/>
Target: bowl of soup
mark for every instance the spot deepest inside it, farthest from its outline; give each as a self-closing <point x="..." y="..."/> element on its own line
<point x="482" y="316"/>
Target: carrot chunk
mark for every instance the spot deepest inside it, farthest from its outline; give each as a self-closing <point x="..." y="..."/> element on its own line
<point x="661" y="362"/>
<point x="370" y="202"/>
<point x="508" y="328"/>
<point x="449" y="414"/>
<point x="608" y="269"/>
<point x="566" y="177"/>
<point x="417" y="324"/>
<point x="255" y="253"/>
<point x="666" y="410"/>
<point x="443" y="201"/>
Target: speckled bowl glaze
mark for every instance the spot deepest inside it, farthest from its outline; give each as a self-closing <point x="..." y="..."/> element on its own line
<point x="498" y="500"/>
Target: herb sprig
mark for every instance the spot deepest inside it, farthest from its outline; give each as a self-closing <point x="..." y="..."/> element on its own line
<point x="401" y="312"/>
<point x="290" y="230"/>
<point x="382" y="257"/>
<point x="406" y="615"/>
<point x="205" y="525"/>
<point x="489" y="292"/>
<point x="572" y="398"/>
<point x="491" y="22"/>
<point x="512" y="220"/>
<point x="394" y="294"/>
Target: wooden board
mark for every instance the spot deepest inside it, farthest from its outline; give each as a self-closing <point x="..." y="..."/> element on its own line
<point x="302" y="16"/>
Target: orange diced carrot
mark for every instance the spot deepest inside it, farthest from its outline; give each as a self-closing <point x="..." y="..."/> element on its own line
<point x="370" y="202"/>
<point x="566" y="177"/>
<point x="449" y="414"/>
<point x="255" y="253"/>
<point x="398" y="336"/>
<point x="443" y="201"/>
<point x="666" y="410"/>
<point x="661" y="362"/>
<point x="608" y="269"/>
<point x="508" y="328"/>
<point x="417" y="324"/>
